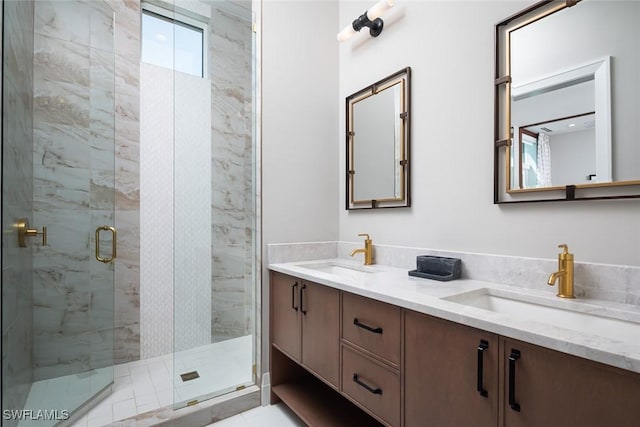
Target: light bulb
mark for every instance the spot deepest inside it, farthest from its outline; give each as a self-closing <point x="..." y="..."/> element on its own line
<point x="346" y="33"/>
<point x="378" y="9"/>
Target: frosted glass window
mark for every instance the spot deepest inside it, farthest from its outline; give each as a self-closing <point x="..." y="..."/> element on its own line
<point x="172" y="44"/>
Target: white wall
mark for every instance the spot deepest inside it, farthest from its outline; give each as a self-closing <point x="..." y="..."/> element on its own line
<point x="573" y="157"/>
<point x="450" y="47"/>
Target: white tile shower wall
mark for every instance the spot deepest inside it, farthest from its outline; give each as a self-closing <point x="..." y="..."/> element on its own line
<point x="176" y="196"/>
<point x="614" y="283"/>
<point x="192" y="201"/>
<point x="156" y="211"/>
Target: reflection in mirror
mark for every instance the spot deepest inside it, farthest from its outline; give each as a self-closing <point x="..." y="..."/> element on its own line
<point x="564" y="127"/>
<point x="377" y="144"/>
<point x="557" y="152"/>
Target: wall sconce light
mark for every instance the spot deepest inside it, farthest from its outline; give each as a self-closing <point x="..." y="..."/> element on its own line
<point x="371" y="19"/>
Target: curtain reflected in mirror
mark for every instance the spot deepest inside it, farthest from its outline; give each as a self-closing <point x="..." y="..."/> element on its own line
<point x="556" y="153"/>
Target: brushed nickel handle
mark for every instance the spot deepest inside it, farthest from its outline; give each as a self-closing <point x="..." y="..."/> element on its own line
<point x="113" y="243"/>
<point x="24" y="231"/>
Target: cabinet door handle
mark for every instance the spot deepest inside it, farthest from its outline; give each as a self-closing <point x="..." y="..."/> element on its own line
<point x="366" y="386"/>
<point x="515" y="355"/>
<point x="367" y="327"/>
<point x="293" y="296"/>
<point x="302" y="299"/>
<point x="481" y="348"/>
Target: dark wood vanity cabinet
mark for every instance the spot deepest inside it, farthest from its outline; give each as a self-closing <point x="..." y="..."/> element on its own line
<point x="451" y="374"/>
<point x="306" y="324"/>
<point x="339" y="359"/>
<point x="544" y="387"/>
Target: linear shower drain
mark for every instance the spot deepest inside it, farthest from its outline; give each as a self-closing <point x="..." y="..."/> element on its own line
<point x="189" y="376"/>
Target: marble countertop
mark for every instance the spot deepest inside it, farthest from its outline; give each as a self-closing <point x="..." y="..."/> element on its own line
<point x="395" y="286"/>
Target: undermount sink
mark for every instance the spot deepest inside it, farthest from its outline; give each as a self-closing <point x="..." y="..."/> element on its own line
<point x="340" y="269"/>
<point x="568" y="314"/>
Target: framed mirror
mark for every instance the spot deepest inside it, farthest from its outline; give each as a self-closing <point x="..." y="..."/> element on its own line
<point x="377" y="136"/>
<point x="567" y="101"/>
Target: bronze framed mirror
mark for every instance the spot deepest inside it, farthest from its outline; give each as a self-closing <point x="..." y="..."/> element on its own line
<point x="377" y="144"/>
<point x="567" y="102"/>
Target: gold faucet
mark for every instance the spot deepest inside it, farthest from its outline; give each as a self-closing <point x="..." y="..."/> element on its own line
<point x="367" y="250"/>
<point x="564" y="273"/>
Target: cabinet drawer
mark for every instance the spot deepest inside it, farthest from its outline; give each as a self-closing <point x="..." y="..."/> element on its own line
<point x="374" y="386"/>
<point x="372" y="325"/>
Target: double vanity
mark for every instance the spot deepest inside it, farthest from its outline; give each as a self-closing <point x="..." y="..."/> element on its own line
<point x="369" y="345"/>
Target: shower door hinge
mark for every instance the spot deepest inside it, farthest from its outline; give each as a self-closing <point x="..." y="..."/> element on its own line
<point x="254" y="369"/>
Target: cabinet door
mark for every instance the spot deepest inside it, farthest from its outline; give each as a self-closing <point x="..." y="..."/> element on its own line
<point x="285" y="308"/>
<point x="557" y="389"/>
<point x="451" y="374"/>
<point x="320" y="308"/>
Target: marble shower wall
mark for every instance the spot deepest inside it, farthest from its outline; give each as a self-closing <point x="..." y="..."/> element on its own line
<point x="233" y="165"/>
<point x="85" y="87"/>
<point x="73" y="176"/>
<point x="127" y="179"/>
<point x="17" y="189"/>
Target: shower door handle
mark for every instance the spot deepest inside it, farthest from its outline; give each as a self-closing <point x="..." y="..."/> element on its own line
<point x="113" y="243"/>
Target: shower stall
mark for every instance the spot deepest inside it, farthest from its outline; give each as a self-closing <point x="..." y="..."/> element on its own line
<point x="129" y="207"/>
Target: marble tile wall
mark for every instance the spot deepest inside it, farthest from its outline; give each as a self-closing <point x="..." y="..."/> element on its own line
<point x="17" y="84"/>
<point x="614" y="283"/>
<point x="73" y="180"/>
<point x="127" y="182"/>
<point x="86" y="98"/>
<point x="233" y="166"/>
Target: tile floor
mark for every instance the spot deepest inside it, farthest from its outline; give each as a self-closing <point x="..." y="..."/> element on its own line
<point x="277" y="415"/>
<point x="149" y="384"/>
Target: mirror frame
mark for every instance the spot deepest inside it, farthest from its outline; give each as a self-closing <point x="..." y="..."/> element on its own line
<point x="503" y="133"/>
<point x="402" y="77"/>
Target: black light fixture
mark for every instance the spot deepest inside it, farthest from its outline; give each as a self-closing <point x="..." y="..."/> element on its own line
<point x="371" y="19"/>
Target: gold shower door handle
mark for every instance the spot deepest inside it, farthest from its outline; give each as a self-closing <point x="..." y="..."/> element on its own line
<point x="113" y="243"/>
<point x="24" y="231"/>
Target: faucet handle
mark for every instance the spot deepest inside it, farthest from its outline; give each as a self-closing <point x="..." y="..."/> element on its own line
<point x="564" y="247"/>
<point x="363" y="235"/>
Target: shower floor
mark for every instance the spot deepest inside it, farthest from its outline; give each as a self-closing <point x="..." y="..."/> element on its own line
<point x="149" y="384"/>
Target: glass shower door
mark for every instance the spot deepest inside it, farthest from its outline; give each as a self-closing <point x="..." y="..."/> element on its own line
<point x="58" y="57"/>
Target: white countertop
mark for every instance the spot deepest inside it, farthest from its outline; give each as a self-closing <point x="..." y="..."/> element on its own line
<point x="395" y="286"/>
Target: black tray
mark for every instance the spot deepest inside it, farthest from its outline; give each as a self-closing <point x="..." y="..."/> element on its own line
<point x="437" y="268"/>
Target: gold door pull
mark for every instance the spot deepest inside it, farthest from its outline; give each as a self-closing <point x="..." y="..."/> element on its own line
<point x="113" y="243"/>
<point x="24" y="231"/>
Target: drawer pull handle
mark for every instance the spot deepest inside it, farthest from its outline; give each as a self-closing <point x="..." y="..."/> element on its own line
<point x="367" y="327"/>
<point x="515" y="355"/>
<point x="302" y="299"/>
<point x="481" y="348"/>
<point x="293" y="296"/>
<point x="366" y="386"/>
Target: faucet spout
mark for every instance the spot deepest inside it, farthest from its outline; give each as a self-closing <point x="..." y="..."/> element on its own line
<point x="554" y="276"/>
<point x="358" y="251"/>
